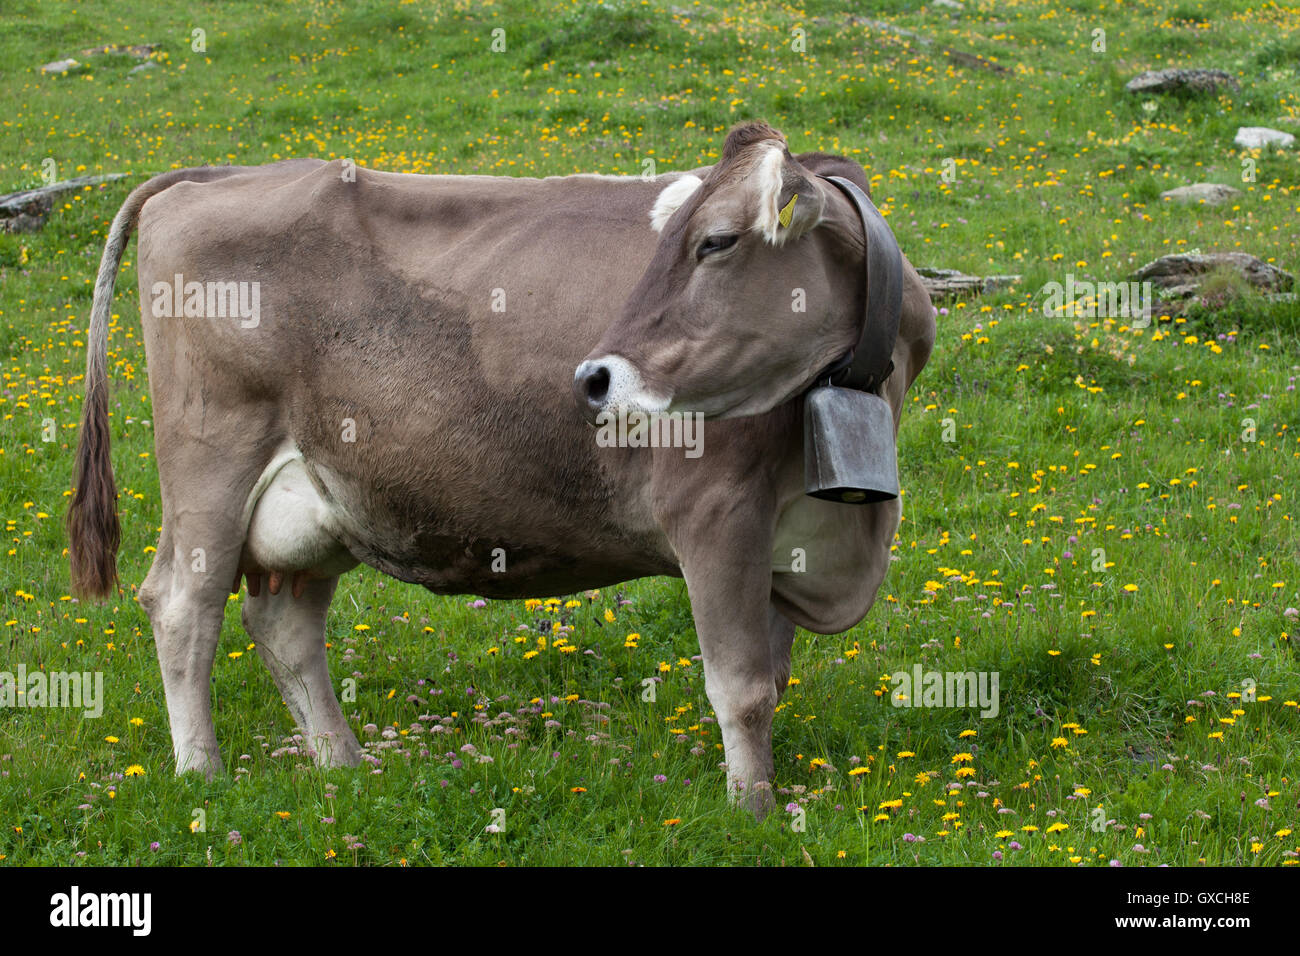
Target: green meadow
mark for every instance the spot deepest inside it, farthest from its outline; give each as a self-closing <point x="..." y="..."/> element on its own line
<point x="1102" y="515"/>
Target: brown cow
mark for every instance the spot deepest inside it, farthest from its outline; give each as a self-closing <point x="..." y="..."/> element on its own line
<point x="351" y="367"/>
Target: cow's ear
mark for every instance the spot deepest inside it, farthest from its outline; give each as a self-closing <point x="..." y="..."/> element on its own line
<point x="789" y="202"/>
<point x="799" y="213"/>
<point x="818" y="166"/>
<point x="671" y="199"/>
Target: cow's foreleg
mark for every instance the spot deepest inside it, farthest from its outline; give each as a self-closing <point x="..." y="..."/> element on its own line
<point x="781" y="641"/>
<point x="730" y="602"/>
<point x="288" y="626"/>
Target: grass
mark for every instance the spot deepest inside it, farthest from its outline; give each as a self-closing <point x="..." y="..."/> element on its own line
<point x="1111" y="527"/>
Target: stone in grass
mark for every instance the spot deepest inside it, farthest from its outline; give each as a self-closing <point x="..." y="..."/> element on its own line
<point x="27" y="210"/>
<point x="1181" y="274"/>
<point x="60" y="66"/>
<point x="140" y="51"/>
<point x="1182" y="81"/>
<point x="946" y="283"/>
<point x="1212" y="194"/>
<point x="1258" y="137"/>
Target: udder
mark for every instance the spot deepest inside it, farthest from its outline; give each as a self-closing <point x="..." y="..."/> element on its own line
<point x="290" y="536"/>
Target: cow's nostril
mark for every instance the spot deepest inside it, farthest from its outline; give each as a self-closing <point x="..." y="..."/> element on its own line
<point x="596" y="386"/>
<point x="591" y="382"/>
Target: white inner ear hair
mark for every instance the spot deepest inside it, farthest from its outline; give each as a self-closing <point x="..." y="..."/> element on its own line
<point x="768" y="179"/>
<point x="671" y="199"/>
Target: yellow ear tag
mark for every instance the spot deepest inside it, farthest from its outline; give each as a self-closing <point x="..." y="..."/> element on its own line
<point x="787" y="213"/>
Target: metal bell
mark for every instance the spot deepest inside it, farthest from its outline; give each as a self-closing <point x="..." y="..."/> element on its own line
<point x="849" y="452"/>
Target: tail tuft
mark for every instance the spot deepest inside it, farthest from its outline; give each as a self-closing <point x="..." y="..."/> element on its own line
<point x="94" y="532"/>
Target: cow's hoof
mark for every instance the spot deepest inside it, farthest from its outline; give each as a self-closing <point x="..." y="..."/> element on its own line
<point x="203" y="762"/>
<point x="757" y="798"/>
<point x="761" y="801"/>
<point x="332" y="750"/>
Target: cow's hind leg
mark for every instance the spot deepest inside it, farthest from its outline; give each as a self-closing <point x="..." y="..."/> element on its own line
<point x="185" y="597"/>
<point x="293" y="564"/>
<point x="290" y="635"/>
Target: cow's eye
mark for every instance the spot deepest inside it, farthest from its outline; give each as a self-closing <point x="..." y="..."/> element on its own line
<point x="716" y="244"/>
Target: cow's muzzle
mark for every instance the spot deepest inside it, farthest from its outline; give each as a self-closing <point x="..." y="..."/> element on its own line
<point x="610" y="384"/>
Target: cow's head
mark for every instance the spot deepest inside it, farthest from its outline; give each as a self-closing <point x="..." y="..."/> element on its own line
<point x="755" y="287"/>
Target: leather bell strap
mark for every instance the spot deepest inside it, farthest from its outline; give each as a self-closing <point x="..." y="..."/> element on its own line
<point x="872" y="360"/>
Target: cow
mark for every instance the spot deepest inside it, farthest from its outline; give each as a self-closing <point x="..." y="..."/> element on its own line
<point x="356" y="367"/>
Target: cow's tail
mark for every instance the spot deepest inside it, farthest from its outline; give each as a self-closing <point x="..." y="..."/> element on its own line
<point x="93" y="529"/>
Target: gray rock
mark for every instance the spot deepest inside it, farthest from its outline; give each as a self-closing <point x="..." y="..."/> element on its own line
<point x="1258" y="137"/>
<point x="140" y="51"/>
<point x="1181" y="275"/>
<point x="1212" y="194"/>
<point x="59" y="66"/>
<point x="946" y="283"/>
<point x="1178" y="81"/>
<point x="26" y="211"/>
<point x="949" y="4"/>
<point x="151" y="65"/>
